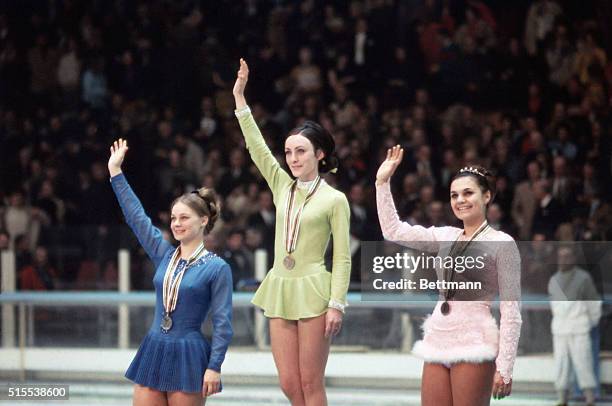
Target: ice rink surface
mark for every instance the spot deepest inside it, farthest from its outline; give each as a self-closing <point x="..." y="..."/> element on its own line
<point x="120" y="395"/>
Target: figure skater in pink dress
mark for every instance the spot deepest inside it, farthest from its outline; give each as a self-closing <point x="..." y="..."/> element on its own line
<point x="467" y="359"/>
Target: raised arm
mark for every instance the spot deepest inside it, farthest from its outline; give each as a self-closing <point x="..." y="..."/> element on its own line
<point x="392" y="228"/>
<point x="149" y="236"/>
<point x="265" y="161"/>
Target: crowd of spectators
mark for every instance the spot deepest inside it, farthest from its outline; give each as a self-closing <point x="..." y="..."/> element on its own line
<point x="523" y="88"/>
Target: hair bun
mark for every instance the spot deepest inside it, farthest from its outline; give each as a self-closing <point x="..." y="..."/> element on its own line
<point x="204" y="202"/>
<point x="329" y="163"/>
<point x="321" y="139"/>
<point x="212" y="204"/>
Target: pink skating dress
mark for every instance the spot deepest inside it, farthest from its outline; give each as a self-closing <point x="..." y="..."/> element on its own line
<point x="469" y="332"/>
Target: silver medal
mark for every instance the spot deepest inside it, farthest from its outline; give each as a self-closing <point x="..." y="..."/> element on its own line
<point x="172" y="282"/>
<point x="166" y="323"/>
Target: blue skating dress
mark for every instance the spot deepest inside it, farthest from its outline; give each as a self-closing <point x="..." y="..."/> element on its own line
<point x="176" y="360"/>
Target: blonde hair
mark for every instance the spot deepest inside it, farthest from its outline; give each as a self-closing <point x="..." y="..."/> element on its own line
<point x="204" y="202"/>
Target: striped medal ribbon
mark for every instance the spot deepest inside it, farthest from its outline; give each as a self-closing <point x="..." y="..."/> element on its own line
<point x="292" y="223"/>
<point x="172" y="282"/>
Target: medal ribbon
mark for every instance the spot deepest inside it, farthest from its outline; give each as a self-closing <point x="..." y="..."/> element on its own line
<point x="172" y="282"/>
<point x="292" y="225"/>
<point x="483" y="227"/>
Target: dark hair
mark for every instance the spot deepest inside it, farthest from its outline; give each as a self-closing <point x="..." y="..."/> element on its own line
<point x="204" y="202"/>
<point x="321" y="139"/>
<point x="483" y="177"/>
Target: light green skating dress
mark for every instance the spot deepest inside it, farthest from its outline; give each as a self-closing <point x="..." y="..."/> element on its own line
<point x="307" y="289"/>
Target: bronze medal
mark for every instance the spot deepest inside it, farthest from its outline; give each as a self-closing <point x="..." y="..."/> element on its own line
<point x="445" y="309"/>
<point x="450" y="293"/>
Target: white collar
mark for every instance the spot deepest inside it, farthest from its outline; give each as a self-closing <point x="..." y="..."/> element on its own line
<point x="305" y="185"/>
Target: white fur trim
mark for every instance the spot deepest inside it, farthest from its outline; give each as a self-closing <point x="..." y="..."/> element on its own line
<point x="450" y="355"/>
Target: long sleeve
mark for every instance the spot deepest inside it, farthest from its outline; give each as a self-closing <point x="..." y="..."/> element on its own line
<point x="508" y="265"/>
<point x="149" y="236"/>
<point x="221" y="314"/>
<point x="341" y="262"/>
<point x="265" y="161"/>
<point x="401" y="232"/>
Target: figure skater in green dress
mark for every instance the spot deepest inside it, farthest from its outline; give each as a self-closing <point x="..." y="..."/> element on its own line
<point x="304" y="302"/>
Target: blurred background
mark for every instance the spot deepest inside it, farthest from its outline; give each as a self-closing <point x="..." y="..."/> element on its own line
<point x="521" y="87"/>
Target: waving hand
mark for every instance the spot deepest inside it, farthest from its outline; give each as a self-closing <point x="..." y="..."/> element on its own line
<point x="390" y="164"/>
<point x="241" y="80"/>
<point x="117" y="150"/>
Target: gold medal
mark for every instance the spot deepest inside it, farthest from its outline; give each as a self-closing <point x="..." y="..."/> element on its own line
<point x="289" y="262"/>
<point x="292" y="221"/>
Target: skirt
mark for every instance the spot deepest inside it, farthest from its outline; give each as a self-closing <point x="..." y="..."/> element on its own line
<point x="168" y="364"/>
<point x="468" y="333"/>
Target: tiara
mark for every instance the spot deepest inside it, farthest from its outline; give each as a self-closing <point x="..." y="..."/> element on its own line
<point x="473" y="170"/>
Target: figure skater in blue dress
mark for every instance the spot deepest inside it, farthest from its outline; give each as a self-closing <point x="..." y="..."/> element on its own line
<point x="175" y="364"/>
